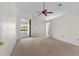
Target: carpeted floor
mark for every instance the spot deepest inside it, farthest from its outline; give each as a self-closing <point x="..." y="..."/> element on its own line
<point x="43" y="46"/>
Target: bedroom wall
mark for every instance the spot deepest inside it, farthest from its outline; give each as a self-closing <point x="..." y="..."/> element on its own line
<point x="66" y="27"/>
<point x="8" y="18"/>
<point x="38" y="26"/>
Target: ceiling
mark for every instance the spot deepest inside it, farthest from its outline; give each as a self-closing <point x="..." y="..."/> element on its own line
<point x="31" y="8"/>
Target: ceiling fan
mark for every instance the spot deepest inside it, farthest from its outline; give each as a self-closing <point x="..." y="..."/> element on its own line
<point x="44" y="11"/>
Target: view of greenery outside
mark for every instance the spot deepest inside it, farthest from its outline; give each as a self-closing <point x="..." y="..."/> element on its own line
<point x="24" y="28"/>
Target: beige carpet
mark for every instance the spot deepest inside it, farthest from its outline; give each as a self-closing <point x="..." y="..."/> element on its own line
<point x="43" y="46"/>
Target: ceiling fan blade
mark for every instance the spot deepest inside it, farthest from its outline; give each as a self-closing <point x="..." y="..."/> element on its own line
<point x="45" y="14"/>
<point x="50" y="12"/>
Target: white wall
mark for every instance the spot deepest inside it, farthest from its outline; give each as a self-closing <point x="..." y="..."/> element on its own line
<point x="8" y="16"/>
<point x="38" y="26"/>
<point x="66" y="27"/>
